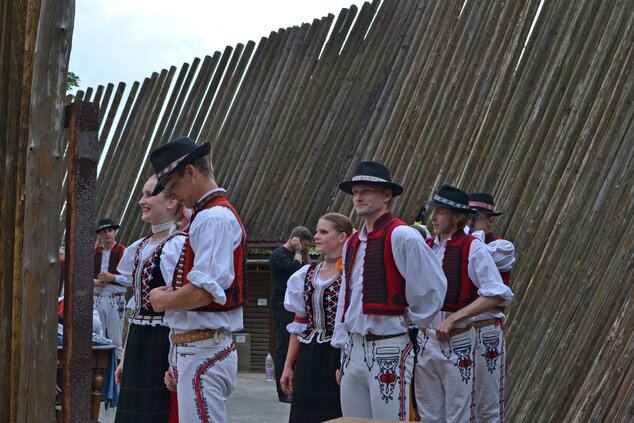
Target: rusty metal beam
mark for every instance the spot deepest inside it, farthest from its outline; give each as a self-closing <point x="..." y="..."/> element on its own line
<point x="83" y="156"/>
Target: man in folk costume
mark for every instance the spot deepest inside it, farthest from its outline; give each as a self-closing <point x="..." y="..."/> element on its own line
<point x="489" y="326"/>
<point x="444" y="372"/>
<point x="209" y="285"/>
<point x="110" y="286"/>
<point x="391" y="279"/>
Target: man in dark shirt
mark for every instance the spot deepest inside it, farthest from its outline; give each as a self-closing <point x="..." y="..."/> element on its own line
<point x="285" y="261"/>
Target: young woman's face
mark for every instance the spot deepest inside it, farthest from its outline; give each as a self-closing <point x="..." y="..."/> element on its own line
<point x="155" y="210"/>
<point x="327" y="240"/>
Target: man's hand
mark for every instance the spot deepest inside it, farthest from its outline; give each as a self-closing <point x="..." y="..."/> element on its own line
<point x="106" y="276"/>
<point x="338" y="375"/>
<point x="297" y="245"/>
<point x="99" y="283"/>
<point x="443" y="329"/>
<point x="286" y="381"/>
<point x="157" y="297"/>
<point x="170" y="380"/>
<point x="118" y="374"/>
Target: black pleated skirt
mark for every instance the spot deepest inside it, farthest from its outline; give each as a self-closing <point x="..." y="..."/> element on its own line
<point x="315" y="390"/>
<point x="143" y="396"/>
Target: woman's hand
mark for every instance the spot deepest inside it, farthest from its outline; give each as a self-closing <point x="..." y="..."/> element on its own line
<point x="286" y="381"/>
<point x="118" y="373"/>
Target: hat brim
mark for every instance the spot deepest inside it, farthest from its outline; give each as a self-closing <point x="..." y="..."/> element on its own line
<point x="438" y="204"/>
<point x="347" y="186"/>
<point x="103" y="228"/>
<point x="485" y="212"/>
<point x="196" y="154"/>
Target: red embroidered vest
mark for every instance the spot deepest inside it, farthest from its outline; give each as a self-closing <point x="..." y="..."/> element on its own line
<point x="506" y="276"/>
<point x="115" y="256"/>
<point x="237" y="292"/>
<point x="383" y="291"/>
<point x="455" y="263"/>
<point x="329" y="300"/>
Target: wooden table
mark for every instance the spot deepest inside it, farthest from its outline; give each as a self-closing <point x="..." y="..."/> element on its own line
<point x="100" y="361"/>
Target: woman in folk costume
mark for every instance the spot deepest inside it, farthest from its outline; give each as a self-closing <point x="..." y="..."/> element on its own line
<point x="149" y="263"/>
<point x="312" y="294"/>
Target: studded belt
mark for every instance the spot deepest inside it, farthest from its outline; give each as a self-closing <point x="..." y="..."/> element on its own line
<point x="192" y="336"/>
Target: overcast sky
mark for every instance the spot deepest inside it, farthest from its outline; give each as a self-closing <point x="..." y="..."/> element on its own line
<point x="127" y="40"/>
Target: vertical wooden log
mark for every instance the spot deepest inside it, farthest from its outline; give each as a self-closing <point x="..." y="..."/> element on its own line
<point x="80" y="218"/>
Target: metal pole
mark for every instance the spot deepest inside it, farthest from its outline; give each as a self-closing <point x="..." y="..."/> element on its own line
<point x="83" y="153"/>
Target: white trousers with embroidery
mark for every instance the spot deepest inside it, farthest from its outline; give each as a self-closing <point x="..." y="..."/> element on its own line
<point x="111" y="310"/>
<point x="376" y="379"/>
<point x="489" y="374"/>
<point x="206" y="374"/>
<point x="444" y="378"/>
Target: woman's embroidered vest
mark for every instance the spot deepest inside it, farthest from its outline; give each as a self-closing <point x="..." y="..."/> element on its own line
<point x="329" y="301"/>
<point x="150" y="275"/>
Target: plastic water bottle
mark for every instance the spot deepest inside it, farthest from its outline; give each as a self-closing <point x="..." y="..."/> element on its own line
<point x="268" y="368"/>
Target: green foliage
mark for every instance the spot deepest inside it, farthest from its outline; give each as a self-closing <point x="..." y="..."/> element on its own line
<point x="72" y="82"/>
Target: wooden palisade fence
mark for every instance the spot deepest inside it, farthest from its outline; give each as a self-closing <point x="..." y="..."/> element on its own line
<point x="35" y="40"/>
<point x="531" y="101"/>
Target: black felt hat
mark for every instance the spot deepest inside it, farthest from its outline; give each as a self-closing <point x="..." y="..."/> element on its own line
<point x="173" y="156"/>
<point x="106" y="224"/>
<point x="449" y="197"/>
<point x="372" y="173"/>
<point x="483" y="203"/>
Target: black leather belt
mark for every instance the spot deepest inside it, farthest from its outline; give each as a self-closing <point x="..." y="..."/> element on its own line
<point x="373" y="337"/>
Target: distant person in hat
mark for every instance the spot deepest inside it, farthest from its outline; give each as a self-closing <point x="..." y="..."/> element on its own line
<point x="284" y="261"/>
<point x="489" y="326"/>
<point x="444" y="372"/>
<point x="419" y="224"/>
<point x="149" y="263"/>
<point x="110" y="286"/>
<point x="391" y="279"/>
<point x="204" y="304"/>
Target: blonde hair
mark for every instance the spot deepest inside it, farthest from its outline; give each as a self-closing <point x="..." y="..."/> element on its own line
<point x="340" y="222"/>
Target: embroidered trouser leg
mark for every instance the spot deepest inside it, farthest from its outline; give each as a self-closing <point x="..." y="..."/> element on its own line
<point x="376" y="380"/>
<point x="111" y="311"/>
<point x="206" y="376"/>
<point x="444" y="378"/>
<point x="489" y="374"/>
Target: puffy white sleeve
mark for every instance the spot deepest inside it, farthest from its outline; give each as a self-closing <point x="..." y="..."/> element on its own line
<point x="294" y="300"/>
<point x="169" y="257"/>
<point x="126" y="264"/>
